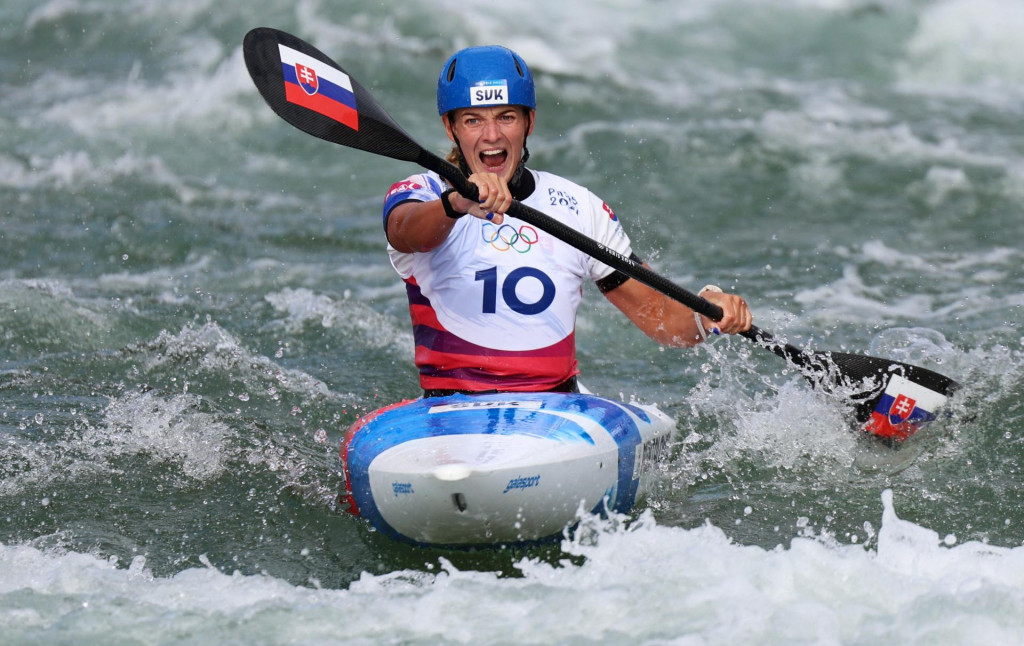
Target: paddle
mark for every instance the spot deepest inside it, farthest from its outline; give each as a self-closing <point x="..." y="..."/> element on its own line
<point x="313" y="93"/>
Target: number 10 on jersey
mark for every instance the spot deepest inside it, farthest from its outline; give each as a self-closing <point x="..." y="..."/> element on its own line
<point x="489" y="277"/>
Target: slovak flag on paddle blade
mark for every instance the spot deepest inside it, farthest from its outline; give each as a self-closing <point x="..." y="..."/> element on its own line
<point x="318" y="86"/>
<point x="903" y="409"/>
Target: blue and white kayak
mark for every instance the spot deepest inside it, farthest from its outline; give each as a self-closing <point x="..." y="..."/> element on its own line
<point x="498" y="468"/>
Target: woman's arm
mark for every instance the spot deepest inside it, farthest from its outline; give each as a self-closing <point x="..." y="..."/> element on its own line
<point x="671" y="323"/>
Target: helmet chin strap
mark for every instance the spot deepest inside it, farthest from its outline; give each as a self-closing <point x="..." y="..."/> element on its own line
<point x="517" y="176"/>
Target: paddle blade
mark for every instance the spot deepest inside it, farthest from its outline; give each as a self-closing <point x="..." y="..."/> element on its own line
<point x="899" y="398"/>
<point x="892" y="400"/>
<point x="313" y="93"/>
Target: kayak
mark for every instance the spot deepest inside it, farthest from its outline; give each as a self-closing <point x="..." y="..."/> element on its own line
<point x="499" y="468"/>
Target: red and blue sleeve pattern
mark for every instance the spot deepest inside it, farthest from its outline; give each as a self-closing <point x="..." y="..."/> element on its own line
<point x="415" y="188"/>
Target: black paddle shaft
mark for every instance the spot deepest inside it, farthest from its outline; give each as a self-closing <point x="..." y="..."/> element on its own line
<point x="376" y="132"/>
<point x="825" y="370"/>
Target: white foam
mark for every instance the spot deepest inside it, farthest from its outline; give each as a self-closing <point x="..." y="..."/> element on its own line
<point x="891" y="141"/>
<point x="850" y="298"/>
<point x="160" y="278"/>
<point x="940" y="184"/>
<point x="168" y="430"/>
<point x="303" y="305"/>
<point x="47" y="312"/>
<point x="216" y="350"/>
<point x="571" y="49"/>
<point x="205" y="94"/>
<point x="645" y="583"/>
<point x="79" y="170"/>
<point x="972" y="42"/>
<point x="775" y="426"/>
<point x="971" y="276"/>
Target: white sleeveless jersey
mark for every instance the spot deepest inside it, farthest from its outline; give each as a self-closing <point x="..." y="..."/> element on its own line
<point x="494" y="306"/>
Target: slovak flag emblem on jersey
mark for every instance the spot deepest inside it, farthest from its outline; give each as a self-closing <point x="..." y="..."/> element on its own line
<point x="307" y="79"/>
<point x="608" y="210"/>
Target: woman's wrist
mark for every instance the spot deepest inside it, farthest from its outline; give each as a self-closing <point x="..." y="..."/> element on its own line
<point x="702" y="330"/>
<point x="449" y="210"/>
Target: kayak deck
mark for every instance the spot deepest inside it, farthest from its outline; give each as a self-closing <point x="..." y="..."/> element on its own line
<point x="498" y="468"/>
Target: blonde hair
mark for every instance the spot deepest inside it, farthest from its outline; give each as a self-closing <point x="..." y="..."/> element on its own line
<point x="454" y="155"/>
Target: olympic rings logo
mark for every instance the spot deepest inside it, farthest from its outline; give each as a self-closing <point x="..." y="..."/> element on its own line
<point x="507" y="237"/>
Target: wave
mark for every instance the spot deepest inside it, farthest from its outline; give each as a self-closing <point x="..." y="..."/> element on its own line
<point x="638" y="580"/>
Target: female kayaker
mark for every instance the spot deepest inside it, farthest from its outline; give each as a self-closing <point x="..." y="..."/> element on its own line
<point x="493" y="300"/>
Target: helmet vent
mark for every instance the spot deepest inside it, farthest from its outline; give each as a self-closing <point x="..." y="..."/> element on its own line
<point x="451" y="70"/>
<point x="518" y="67"/>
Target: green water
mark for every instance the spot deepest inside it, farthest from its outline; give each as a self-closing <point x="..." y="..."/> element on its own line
<point x="195" y="299"/>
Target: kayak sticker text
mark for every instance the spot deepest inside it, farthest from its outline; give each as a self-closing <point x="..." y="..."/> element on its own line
<point x="522" y="483"/>
<point x="402" y="488"/>
<point x="481" y="405"/>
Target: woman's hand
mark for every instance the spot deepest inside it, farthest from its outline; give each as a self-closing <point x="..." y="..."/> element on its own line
<point x="495" y="198"/>
<point x="736" y="316"/>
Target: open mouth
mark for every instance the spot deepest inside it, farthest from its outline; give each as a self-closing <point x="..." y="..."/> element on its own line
<point x="493" y="158"/>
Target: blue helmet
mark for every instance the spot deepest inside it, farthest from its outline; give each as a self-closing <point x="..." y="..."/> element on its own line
<point x="482" y="76"/>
